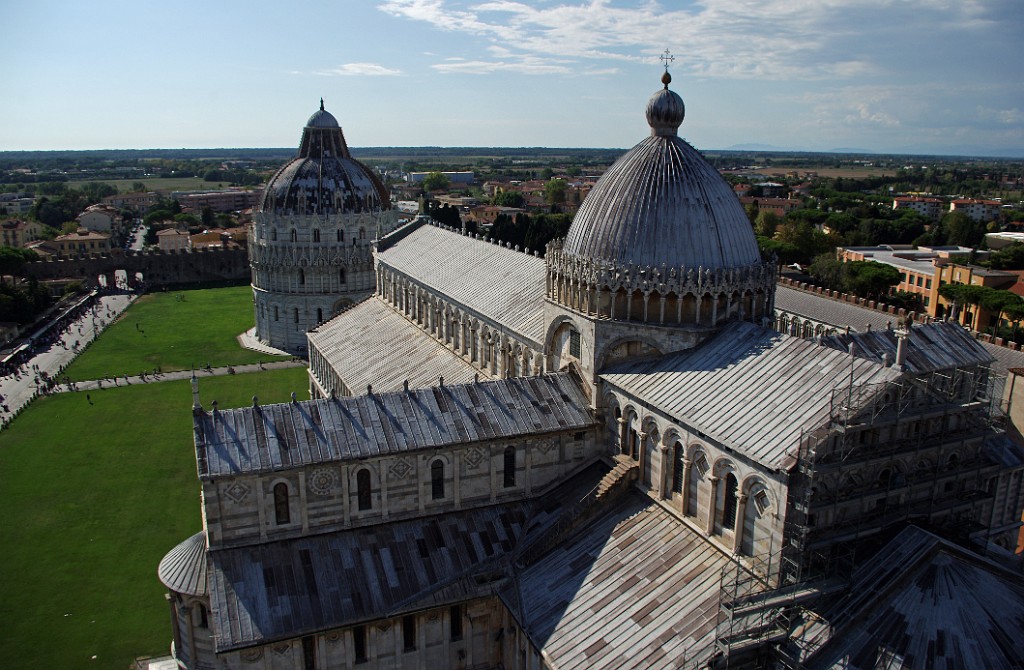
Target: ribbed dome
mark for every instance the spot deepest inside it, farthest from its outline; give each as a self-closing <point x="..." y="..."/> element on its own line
<point x="324" y="178"/>
<point x="663" y="204"/>
<point x="322" y="118"/>
<point x="183" y="569"/>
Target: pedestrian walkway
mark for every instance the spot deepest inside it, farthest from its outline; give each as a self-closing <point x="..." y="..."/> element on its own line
<point x="157" y="377"/>
<point x="39" y="374"/>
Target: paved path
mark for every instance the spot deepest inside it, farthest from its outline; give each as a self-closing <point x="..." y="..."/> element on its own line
<point x="18" y="389"/>
<point x="110" y="382"/>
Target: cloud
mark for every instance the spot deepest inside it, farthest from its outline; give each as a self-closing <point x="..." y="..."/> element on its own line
<point x="359" y="69"/>
<point x="735" y="39"/>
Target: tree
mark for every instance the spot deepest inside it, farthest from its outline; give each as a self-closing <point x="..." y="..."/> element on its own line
<point x="208" y="217"/>
<point x="828" y="270"/>
<point x="995" y="300"/>
<point x="1007" y="258"/>
<point x="869" y="279"/>
<point x="766" y="223"/>
<point x="436" y="181"/>
<point x="961" y="230"/>
<point x="157" y="216"/>
<point x="445" y="214"/>
<point x="1015" y="313"/>
<point x="13" y="259"/>
<point x="508" y="199"/>
<point x="554" y="191"/>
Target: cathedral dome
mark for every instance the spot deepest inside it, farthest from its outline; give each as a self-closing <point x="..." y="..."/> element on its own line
<point x="663" y="204"/>
<point x="324" y="179"/>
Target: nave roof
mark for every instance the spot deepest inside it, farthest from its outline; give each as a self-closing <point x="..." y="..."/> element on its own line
<point x="373" y="345"/>
<point x="265" y="438"/>
<point x="503" y="285"/>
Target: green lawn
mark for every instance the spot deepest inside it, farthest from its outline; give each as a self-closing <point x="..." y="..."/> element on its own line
<point x="165" y="185"/>
<point x="95" y="495"/>
<point x="176" y="330"/>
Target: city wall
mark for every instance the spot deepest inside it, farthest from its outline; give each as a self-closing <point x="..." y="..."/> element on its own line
<point x="158" y="268"/>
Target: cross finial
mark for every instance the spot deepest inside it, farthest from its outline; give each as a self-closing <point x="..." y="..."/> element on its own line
<point x="667" y="58"/>
<point x="322" y="100"/>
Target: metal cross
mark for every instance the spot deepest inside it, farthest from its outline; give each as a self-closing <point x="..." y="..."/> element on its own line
<point x="667" y="58"/>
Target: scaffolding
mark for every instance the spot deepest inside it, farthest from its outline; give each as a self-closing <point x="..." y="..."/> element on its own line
<point x="766" y="603"/>
<point x="919" y="433"/>
<point x="757" y="617"/>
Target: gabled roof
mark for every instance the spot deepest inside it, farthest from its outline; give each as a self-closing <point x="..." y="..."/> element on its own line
<point x="636" y="589"/>
<point x="281" y="590"/>
<point x="498" y="283"/>
<point x="288" y="435"/>
<point x="751" y="389"/>
<point x="921" y="602"/>
<point x="372" y="344"/>
<point x="941" y="345"/>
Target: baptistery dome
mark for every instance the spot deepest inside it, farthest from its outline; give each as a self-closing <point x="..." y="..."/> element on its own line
<point x="311" y="243"/>
<point x="324" y="179"/>
<point x="662" y="204"/>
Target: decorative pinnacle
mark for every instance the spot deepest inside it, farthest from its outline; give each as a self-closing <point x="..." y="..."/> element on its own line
<point x="322" y="100"/>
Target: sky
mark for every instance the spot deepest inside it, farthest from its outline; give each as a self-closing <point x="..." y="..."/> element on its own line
<point x="889" y="76"/>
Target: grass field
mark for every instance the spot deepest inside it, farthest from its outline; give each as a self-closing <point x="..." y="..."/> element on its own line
<point x="164" y="185"/>
<point x="173" y="331"/>
<point x="95" y="495"/>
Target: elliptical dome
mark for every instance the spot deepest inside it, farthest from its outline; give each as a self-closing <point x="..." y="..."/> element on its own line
<point x="324" y="179"/>
<point x="663" y="204"/>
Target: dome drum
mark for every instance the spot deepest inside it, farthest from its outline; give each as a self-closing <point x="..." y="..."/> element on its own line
<point x="696" y="297"/>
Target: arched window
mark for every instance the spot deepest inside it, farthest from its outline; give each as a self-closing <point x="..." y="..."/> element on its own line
<point x="730" y="502"/>
<point x="341" y="235"/>
<point x="273" y="234"/>
<point x="437" y="479"/>
<point x="319" y="315"/>
<point x="316" y="234"/>
<point x="202" y="618"/>
<point x="295" y="236"/>
<point x="510" y="466"/>
<point x="363" y="494"/>
<point x="302" y="277"/>
<point x="362" y="233"/>
<point x="282" y="513"/>
<point x="341" y="275"/>
<point x="295" y="314"/>
<point x="276" y="313"/>
<point x="677" y="468"/>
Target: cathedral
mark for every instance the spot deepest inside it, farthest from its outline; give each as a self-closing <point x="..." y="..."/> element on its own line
<point x="602" y="454"/>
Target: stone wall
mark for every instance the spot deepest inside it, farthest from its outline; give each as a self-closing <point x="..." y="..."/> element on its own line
<point x="158" y="268"/>
<point x="323" y="498"/>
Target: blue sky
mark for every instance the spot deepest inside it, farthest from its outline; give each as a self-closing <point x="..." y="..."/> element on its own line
<point x="918" y="76"/>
